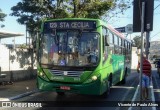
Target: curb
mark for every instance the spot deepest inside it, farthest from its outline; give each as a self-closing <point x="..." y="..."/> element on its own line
<point x="134" y="97"/>
<point x="152" y="95"/>
<point x="23" y="95"/>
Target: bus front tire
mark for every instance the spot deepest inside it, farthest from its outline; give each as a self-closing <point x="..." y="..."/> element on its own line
<point x="106" y="93"/>
<point x="124" y="78"/>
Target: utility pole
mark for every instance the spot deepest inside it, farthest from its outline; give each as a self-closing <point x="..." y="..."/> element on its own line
<point x="147" y="44"/>
<point x="143" y="22"/>
<point x="142" y="42"/>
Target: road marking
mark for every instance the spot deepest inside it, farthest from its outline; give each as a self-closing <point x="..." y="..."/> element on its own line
<point x="134" y="97"/>
<point x="156" y="90"/>
<point x="136" y="93"/>
<point x="122" y="87"/>
<point x="126" y="94"/>
<point x="4" y="99"/>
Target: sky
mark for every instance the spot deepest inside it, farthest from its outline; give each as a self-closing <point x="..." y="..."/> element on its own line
<point x="12" y="25"/>
<point x="127" y="18"/>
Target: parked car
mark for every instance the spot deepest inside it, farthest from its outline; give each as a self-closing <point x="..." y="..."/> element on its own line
<point x="156" y="60"/>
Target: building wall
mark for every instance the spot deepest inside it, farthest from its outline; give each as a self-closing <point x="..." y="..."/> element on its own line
<point x="16" y="62"/>
<point x="134" y="58"/>
<point x="15" y="59"/>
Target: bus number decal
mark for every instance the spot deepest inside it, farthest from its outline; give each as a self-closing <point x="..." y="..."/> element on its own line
<point x="72" y="25"/>
<point x="53" y="25"/>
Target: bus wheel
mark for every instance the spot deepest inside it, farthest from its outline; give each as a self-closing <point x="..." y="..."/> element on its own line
<point x="60" y="93"/>
<point x="124" y="78"/>
<point x="106" y="93"/>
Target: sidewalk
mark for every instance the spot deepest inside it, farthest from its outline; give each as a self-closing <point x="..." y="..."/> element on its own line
<point x="145" y="104"/>
<point x="9" y="92"/>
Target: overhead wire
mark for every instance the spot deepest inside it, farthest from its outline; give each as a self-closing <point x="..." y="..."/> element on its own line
<point x="156" y="6"/>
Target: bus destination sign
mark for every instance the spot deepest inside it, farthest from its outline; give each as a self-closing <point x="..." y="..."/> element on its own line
<point x="71" y="25"/>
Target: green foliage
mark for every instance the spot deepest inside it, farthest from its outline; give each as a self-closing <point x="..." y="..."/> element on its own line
<point x="30" y="12"/>
<point x="2" y="16"/>
<point x="137" y="42"/>
<point x="22" y="46"/>
<point x="88" y="8"/>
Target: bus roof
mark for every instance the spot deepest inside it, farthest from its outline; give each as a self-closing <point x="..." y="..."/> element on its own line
<point x="70" y="19"/>
<point x="117" y="32"/>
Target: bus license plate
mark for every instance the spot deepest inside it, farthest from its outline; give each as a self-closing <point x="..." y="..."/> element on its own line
<point x="65" y="88"/>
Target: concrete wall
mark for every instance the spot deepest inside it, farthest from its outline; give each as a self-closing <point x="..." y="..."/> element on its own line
<point x="18" y="75"/>
<point x="15" y="59"/>
<point x="16" y="62"/>
<point x="134" y="58"/>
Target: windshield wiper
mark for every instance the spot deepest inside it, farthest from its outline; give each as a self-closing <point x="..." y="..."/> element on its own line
<point x="47" y="66"/>
<point x="91" y="64"/>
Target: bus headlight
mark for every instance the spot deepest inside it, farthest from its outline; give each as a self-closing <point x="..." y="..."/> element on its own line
<point x="94" y="78"/>
<point x="41" y="74"/>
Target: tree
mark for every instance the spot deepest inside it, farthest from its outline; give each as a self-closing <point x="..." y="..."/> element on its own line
<point x="137" y="42"/>
<point x="89" y="8"/>
<point x="2" y="16"/>
<point x="96" y="8"/>
<point x="30" y="12"/>
<point x="119" y="7"/>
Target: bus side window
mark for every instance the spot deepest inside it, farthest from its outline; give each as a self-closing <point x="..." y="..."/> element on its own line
<point x="111" y="42"/>
<point x="104" y="34"/>
<point x="116" y="48"/>
<point x="125" y="47"/>
<point x="120" y="46"/>
<point x="105" y="43"/>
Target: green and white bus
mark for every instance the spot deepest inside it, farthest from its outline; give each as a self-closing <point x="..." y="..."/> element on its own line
<point x="80" y="55"/>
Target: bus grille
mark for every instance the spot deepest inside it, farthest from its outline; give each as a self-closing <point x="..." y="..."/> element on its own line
<point x="66" y="73"/>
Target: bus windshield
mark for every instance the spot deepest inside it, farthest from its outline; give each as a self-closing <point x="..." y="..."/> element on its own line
<point x="70" y="48"/>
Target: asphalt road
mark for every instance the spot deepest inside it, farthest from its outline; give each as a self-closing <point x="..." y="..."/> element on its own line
<point x="156" y="86"/>
<point x="71" y="101"/>
<point x="118" y="93"/>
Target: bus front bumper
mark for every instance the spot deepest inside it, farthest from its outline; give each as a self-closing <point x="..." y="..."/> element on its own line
<point x="93" y="88"/>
